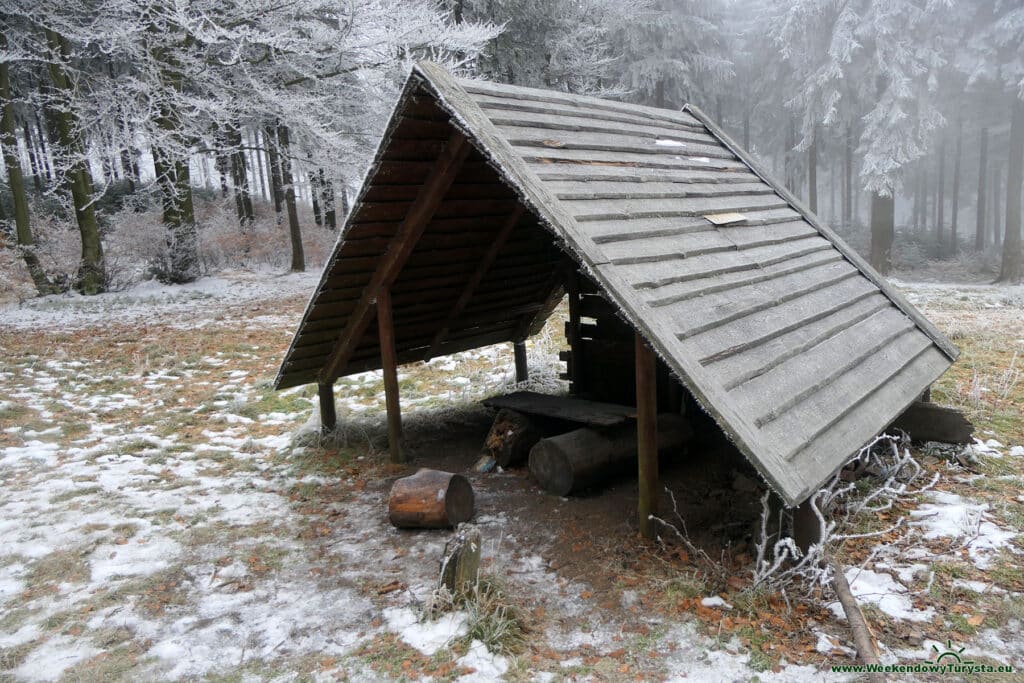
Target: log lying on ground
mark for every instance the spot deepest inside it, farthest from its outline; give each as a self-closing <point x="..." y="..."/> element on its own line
<point x="925" y="421"/>
<point x="862" y="638"/>
<point x="430" y="499"/>
<point x="576" y="460"/>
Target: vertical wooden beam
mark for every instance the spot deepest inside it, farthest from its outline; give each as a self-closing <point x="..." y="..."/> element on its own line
<point x="806" y="527"/>
<point x="389" y="365"/>
<point x="522" y="370"/>
<point x="647" y="435"/>
<point x="328" y="415"/>
<point x="577" y="380"/>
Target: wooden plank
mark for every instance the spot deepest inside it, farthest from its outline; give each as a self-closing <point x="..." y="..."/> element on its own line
<point x="401" y="247"/>
<point x="782" y="334"/>
<point x="654" y="275"/>
<point x="726" y="308"/>
<point x="728" y="218"/>
<point x="572" y="330"/>
<point x="560" y="120"/>
<point x="940" y="339"/>
<point x="638" y="159"/>
<point x="614" y="142"/>
<point x="478" y="275"/>
<point x="926" y="421"/>
<point x="801" y="377"/>
<point x="714" y="283"/>
<point x="590" y="190"/>
<point x="627" y="209"/>
<point x="587" y="106"/>
<point x="646" y="437"/>
<point x="569" y="408"/>
<point x="389" y="366"/>
<point x="818" y="447"/>
<point x="583" y="173"/>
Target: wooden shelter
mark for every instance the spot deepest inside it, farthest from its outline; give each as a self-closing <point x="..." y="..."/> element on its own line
<point x="689" y="271"/>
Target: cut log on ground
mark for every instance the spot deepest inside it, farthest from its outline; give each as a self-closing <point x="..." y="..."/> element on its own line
<point x="513" y="434"/>
<point x="925" y="421"/>
<point x="862" y="638"/>
<point x="586" y="457"/>
<point x="430" y="499"/>
<point x="460" y="565"/>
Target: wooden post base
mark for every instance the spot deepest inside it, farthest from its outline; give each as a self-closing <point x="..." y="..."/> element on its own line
<point x="806" y="527"/>
<point x="522" y="370"/>
<point x="328" y="414"/>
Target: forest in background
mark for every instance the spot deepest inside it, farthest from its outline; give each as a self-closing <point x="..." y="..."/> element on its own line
<point x="154" y="138"/>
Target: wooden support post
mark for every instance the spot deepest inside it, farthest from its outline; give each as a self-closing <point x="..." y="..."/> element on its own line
<point x="389" y="365"/>
<point x="647" y="435"/>
<point x="577" y="381"/>
<point x="522" y="370"/>
<point x="328" y="415"/>
<point x="806" y="527"/>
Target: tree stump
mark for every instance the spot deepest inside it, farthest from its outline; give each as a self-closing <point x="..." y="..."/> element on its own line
<point x="430" y="499"/>
<point x="576" y="460"/>
<point x="460" y="565"/>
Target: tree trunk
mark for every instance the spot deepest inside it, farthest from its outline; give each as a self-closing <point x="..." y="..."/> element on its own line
<point x="258" y="149"/>
<point x="979" y="228"/>
<point x="327" y="191"/>
<point x="285" y="162"/>
<point x="954" y="246"/>
<point x="314" y="194"/>
<point x="586" y="457"/>
<point x="882" y="219"/>
<point x="33" y="160"/>
<point x="223" y="169"/>
<point x="997" y="206"/>
<point x="746" y="129"/>
<point x="240" y="178"/>
<point x="91" y="277"/>
<point x="8" y="142"/>
<point x="915" y="218"/>
<point x="43" y="153"/>
<point x="940" y="195"/>
<point x="270" y="136"/>
<point x="812" y="173"/>
<point x="848" y="177"/>
<point x="790" y="171"/>
<point x="1011" y="269"/>
<point x="430" y="499"/>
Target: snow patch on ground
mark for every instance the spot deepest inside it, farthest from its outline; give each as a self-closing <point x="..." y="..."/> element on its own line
<point x="950" y="516"/>
<point x="884" y="592"/>
<point x="426" y="636"/>
<point x="486" y="666"/>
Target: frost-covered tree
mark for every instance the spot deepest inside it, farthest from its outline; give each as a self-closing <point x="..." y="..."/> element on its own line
<point x="995" y="57"/>
<point x="672" y="52"/>
<point x="872" y="63"/>
<point x="183" y="77"/>
<point x="558" y="44"/>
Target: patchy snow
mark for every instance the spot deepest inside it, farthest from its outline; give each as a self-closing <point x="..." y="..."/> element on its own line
<point x="950" y="516"/>
<point x="715" y="601"/>
<point x="228" y="294"/>
<point x="426" y="636"/>
<point x="1017" y="451"/>
<point x="486" y="666"/>
<point x="884" y="592"/>
<point x="669" y="143"/>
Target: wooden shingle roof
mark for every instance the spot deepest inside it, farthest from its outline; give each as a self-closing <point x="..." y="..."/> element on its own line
<point x="796" y="346"/>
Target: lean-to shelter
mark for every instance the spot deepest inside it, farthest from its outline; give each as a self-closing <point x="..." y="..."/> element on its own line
<point x="486" y="204"/>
